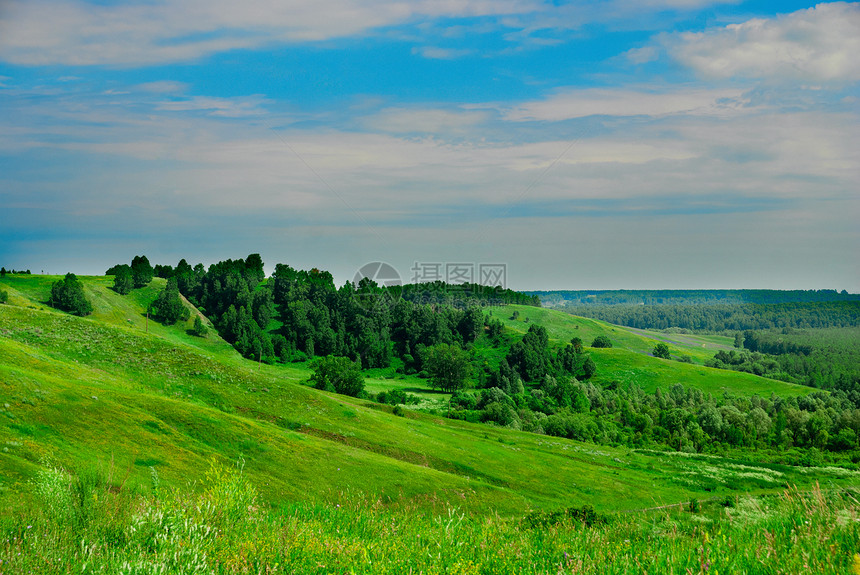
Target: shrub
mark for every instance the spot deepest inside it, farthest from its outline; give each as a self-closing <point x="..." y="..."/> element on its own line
<point x="338" y="374"/>
<point x="601" y="341"/>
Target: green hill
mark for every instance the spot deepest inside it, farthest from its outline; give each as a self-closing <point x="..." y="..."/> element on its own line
<point x="114" y="389"/>
<point x="629" y="360"/>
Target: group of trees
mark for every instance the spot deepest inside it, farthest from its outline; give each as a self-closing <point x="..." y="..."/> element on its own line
<point x="719" y="318"/>
<point x="682" y="419"/>
<point x="462" y="295"/>
<point x="68" y="295"/>
<point x="689" y="297"/>
<point x="825" y="358"/>
<point x="4" y="271"/>
<point x="128" y="277"/>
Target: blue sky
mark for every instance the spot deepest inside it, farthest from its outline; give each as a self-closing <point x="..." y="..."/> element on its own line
<point x="618" y="144"/>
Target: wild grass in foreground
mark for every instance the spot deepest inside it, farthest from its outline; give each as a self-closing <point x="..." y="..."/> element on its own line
<point x="87" y="524"/>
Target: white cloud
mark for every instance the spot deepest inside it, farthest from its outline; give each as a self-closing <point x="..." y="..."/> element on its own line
<point x="424" y="121"/>
<point x="820" y="44"/>
<point x="435" y="53"/>
<point x="74" y="32"/>
<point x="227" y="107"/>
<point x="627" y="102"/>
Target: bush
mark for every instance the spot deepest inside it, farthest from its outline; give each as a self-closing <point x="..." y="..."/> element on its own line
<point x="661" y="350"/>
<point x="4" y="296"/>
<point x="338" y="374"/>
<point x="601" y="341"/>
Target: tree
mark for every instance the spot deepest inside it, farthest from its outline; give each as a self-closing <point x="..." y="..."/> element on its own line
<point x="141" y="271"/>
<point x="338" y="374"/>
<point x="168" y="307"/>
<point x="3" y="272"/>
<point x="601" y="341"/>
<point x="68" y="294"/>
<point x="739" y="340"/>
<point x="4" y="296"/>
<point x="447" y="365"/>
<point x="199" y="329"/>
<point x="123" y="280"/>
<point x="661" y="350"/>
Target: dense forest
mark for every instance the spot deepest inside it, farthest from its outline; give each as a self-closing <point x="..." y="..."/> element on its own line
<point x="823" y="358"/>
<point x="718" y="318"/>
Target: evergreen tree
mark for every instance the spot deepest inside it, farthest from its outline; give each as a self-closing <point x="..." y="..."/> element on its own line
<point x="142" y="272"/>
<point x="123" y="280"/>
<point x="68" y="294"/>
<point x="199" y="328"/>
<point x="168" y="307"/>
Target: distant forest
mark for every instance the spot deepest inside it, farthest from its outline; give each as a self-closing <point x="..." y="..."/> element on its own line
<point x="688" y="297"/>
<point x="711" y="311"/>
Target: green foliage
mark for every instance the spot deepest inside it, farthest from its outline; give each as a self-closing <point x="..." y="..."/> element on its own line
<point x="661" y="350"/>
<point x="4" y="296"/>
<point x="572" y="516"/>
<point x="337" y="374"/>
<point x="123" y="280"/>
<point x="68" y="294"/>
<point x="141" y="270"/>
<point x="199" y="329"/>
<point x="168" y="307"/>
<point x="601" y="341"/>
<point x="448" y="366"/>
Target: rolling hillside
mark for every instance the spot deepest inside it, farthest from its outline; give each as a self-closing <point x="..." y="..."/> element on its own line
<point x="114" y="389"/>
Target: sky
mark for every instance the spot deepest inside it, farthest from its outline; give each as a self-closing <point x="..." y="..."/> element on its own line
<point x="620" y="144"/>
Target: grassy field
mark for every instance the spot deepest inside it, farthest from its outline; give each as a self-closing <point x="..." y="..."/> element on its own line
<point x="109" y="388"/>
<point x="82" y="525"/>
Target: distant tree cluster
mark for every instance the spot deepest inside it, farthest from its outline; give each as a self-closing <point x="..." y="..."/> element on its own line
<point x="4" y="271"/>
<point x="463" y="295"/>
<point x="683" y="419"/>
<point x="141" y="272"/>
<point x="824" y="358"/>
<point x="602" y="298"/>
<point x="68" y="295"/>
<point x="719" y="318"/>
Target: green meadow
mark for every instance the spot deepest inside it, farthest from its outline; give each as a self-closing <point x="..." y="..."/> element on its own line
<point x="115" y="391"/>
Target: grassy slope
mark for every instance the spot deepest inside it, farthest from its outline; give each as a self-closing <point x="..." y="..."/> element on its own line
<point x="629" y="361"/>
<point x="80" y="391"/>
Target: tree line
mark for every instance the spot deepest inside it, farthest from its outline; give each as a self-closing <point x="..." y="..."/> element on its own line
<point x="690" y="297"/>
<point x="721" y="318"/>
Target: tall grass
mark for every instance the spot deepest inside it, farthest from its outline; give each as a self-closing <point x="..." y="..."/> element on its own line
<point x="87" y="524"/>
